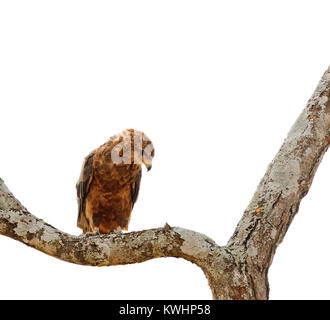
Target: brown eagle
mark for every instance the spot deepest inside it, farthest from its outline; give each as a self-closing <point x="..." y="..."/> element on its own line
<point x="109" y="182"/>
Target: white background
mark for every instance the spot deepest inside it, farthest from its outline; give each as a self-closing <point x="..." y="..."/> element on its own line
<point x="215" y="84"/>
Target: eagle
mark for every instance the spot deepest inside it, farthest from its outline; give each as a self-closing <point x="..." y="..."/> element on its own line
<point x="109" y="182"/>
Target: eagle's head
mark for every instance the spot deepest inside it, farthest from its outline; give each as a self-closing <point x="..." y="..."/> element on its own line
<point x="144" y="150"/>
<point x="132" y="147"/>
<point x="148" y="152"/>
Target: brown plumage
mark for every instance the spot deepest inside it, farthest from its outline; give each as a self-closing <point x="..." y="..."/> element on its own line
<point x="109" y="182"/>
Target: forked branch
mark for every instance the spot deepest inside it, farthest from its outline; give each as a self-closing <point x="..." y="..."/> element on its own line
<point x="238" y="270"/>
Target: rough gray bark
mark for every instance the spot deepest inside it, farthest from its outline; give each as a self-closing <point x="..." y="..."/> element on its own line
<point x="235" y="271"/>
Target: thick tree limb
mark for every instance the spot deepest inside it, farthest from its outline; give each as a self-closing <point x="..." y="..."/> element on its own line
<point x="235" y="271"/>
<point x="286" y="182"/>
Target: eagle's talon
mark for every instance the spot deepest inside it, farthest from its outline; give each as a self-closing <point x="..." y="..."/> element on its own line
<point x="87" y="234"/>
<point x="116" y="231"/>
<point x="95" y="232"/>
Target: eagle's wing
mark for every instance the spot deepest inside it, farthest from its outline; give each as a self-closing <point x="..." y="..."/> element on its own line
<point x="82" y="186"/>
<point x="135" y="187"/>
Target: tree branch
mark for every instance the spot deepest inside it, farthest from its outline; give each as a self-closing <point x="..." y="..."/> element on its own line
<point x="286" y="182"/>
<point x="236" y="271"/>
<point x="100" y="250"/>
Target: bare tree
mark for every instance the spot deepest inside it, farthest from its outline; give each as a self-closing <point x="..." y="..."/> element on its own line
<point x="238" y="270"/>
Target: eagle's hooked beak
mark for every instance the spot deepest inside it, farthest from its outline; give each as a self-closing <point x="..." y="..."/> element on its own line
<point x="148" y="165"/>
